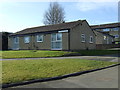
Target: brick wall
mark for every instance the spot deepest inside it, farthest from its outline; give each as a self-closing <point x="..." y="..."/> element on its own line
<point x="107" y="46"/>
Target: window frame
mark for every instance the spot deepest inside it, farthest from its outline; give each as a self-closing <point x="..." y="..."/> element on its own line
<point x="54" y="41"/>
<point x="38" y="39"/>
<point x="28" y="37"/>
<point x="82" y="37"/>
<point x="15" y="38"/>
<point x="91" y="41"/>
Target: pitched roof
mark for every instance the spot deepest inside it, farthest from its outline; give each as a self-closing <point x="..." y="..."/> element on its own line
<point x="97" y="32"/>
<point x="110" y="25"/>
<point x="47" y="28"/>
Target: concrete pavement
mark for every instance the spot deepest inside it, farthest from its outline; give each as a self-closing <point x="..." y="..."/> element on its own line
<point x="102" y="58"/>
<point x="106" y="78"/>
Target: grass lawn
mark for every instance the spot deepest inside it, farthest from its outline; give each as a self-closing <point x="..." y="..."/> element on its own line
<point x="32" y="54"/>
<point x="40" y="53"/>
<point x="22" y="70"/>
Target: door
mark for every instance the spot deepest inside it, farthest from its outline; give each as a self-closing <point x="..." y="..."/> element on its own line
<point x="15" y="43"/>
<point x="56" y="41"/>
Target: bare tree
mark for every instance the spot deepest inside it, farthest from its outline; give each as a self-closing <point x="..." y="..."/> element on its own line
<point x="54" y="15"/>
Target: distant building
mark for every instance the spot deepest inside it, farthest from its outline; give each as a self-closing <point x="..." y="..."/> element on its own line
<point x="4" y="40"/>
<point x="111" y="29"/>
<point x="102" y="38"/>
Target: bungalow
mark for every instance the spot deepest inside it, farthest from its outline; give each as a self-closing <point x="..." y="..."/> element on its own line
<point x="111" y="29"/>
<point x="76" y="35"/>
<point x="103" y="38"/>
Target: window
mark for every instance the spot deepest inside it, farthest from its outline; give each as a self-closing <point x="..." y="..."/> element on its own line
<point x="83" y="37"/>
<point x="91" y="39"/>
<point x="115" y="29"/>
<point x="56" y="42"/>
<point x="105" y="37"/>
<point x="57" y="37"/>
<point x="26" y="39"/>
<point x="106" y="29"/>
<point x="116" y="36"/>
<point x="39" y="38"/>
<point x="16" y="40"/>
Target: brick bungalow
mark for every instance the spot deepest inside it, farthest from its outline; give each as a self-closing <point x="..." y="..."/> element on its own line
<point x="103" y="38"/>
<point x="76" y="35"/>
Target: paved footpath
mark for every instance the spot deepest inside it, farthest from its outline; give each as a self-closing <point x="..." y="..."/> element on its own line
<point x="102" y="58"/>
<point x="106" y="78"/>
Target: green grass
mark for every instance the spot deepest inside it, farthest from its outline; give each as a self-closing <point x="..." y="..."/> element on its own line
<point x="22" y="70"/>
<point x="32" y="54"/>
<point x="40" y="53"/>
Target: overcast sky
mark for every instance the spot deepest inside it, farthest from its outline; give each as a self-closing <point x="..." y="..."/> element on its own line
<point x="16" y="15"/>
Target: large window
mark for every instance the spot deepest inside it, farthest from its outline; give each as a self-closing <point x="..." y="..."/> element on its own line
<point x="39" y="38"/>
<point x="82" y="37"/>
<point x="56" y="41"/>
<point x="91" y="39"/>
<point x="26" y="39"/>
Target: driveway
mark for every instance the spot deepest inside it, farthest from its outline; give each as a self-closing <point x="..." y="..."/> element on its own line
<point x="106" y="78"/>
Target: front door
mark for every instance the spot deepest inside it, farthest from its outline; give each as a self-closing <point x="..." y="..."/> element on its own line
<point x="15" y="43"/>
<point x="56" y="41"/>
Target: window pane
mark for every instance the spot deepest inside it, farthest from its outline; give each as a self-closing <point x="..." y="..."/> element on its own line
<point x="116" y="36"/>
<point x="106" y="29"/>
<point x="39" y="38"/>
<point x="59" y="36"/>
<point x="83" y="37"/>
<point x="91" y="39"/>
<point x="115" y="29"/>
<point x="54" y="37"/>
<point x="26" y="39"/>
<point x="16" y="39"/>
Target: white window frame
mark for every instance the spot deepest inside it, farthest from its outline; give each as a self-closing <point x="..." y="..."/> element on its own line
<point x="38" y="36"/>
<point x="91" y="39"/>
<point x="28" y="41"/>
<point x="57" y="38"/>
<point x="82" y="37"/>
<point x="55" y="41"/>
